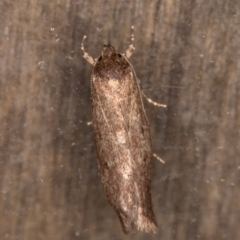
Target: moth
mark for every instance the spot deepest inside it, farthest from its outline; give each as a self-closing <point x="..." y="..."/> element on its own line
<point x="122" y="137"/>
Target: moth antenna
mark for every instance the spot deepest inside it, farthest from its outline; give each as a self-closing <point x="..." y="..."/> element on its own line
<point x="85" y="54"/>
<point x="131" y="47"/>
<point x="82" y="44"/>
<point x="132" y="36"/>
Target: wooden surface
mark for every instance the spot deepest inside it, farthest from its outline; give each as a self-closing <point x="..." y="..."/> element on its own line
<point x="187" y="56"/>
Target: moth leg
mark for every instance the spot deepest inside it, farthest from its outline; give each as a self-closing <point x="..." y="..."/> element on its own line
<point x="85" y="54"/>
<point x="131" y="47"/>
<point x="158" y="158"/>
<point x="152" y="102"/>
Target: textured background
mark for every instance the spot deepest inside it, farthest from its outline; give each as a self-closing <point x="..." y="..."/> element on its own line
<point x="187" y="56"/>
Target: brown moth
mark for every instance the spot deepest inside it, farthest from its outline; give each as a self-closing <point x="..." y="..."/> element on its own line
<point x="122" y="138"/>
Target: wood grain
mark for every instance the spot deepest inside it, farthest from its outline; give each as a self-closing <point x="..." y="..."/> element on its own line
<point x="187" y="56"/>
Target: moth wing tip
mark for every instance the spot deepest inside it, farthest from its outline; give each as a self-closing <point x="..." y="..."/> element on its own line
<point x="147" y="225"/>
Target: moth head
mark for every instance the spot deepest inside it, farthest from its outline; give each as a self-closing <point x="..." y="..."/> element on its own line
<point x="111" y="64"/>
<point x="108" y="51"/>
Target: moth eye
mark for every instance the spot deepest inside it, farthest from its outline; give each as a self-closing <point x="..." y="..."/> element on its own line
<point x="100" y="59"/>
<point x="119" y="55"/>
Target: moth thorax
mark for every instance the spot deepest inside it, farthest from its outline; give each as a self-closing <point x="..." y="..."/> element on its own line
<point x="114" y="84"/>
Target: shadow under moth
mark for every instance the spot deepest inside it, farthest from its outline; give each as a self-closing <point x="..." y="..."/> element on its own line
<point x="122" y="137"/>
